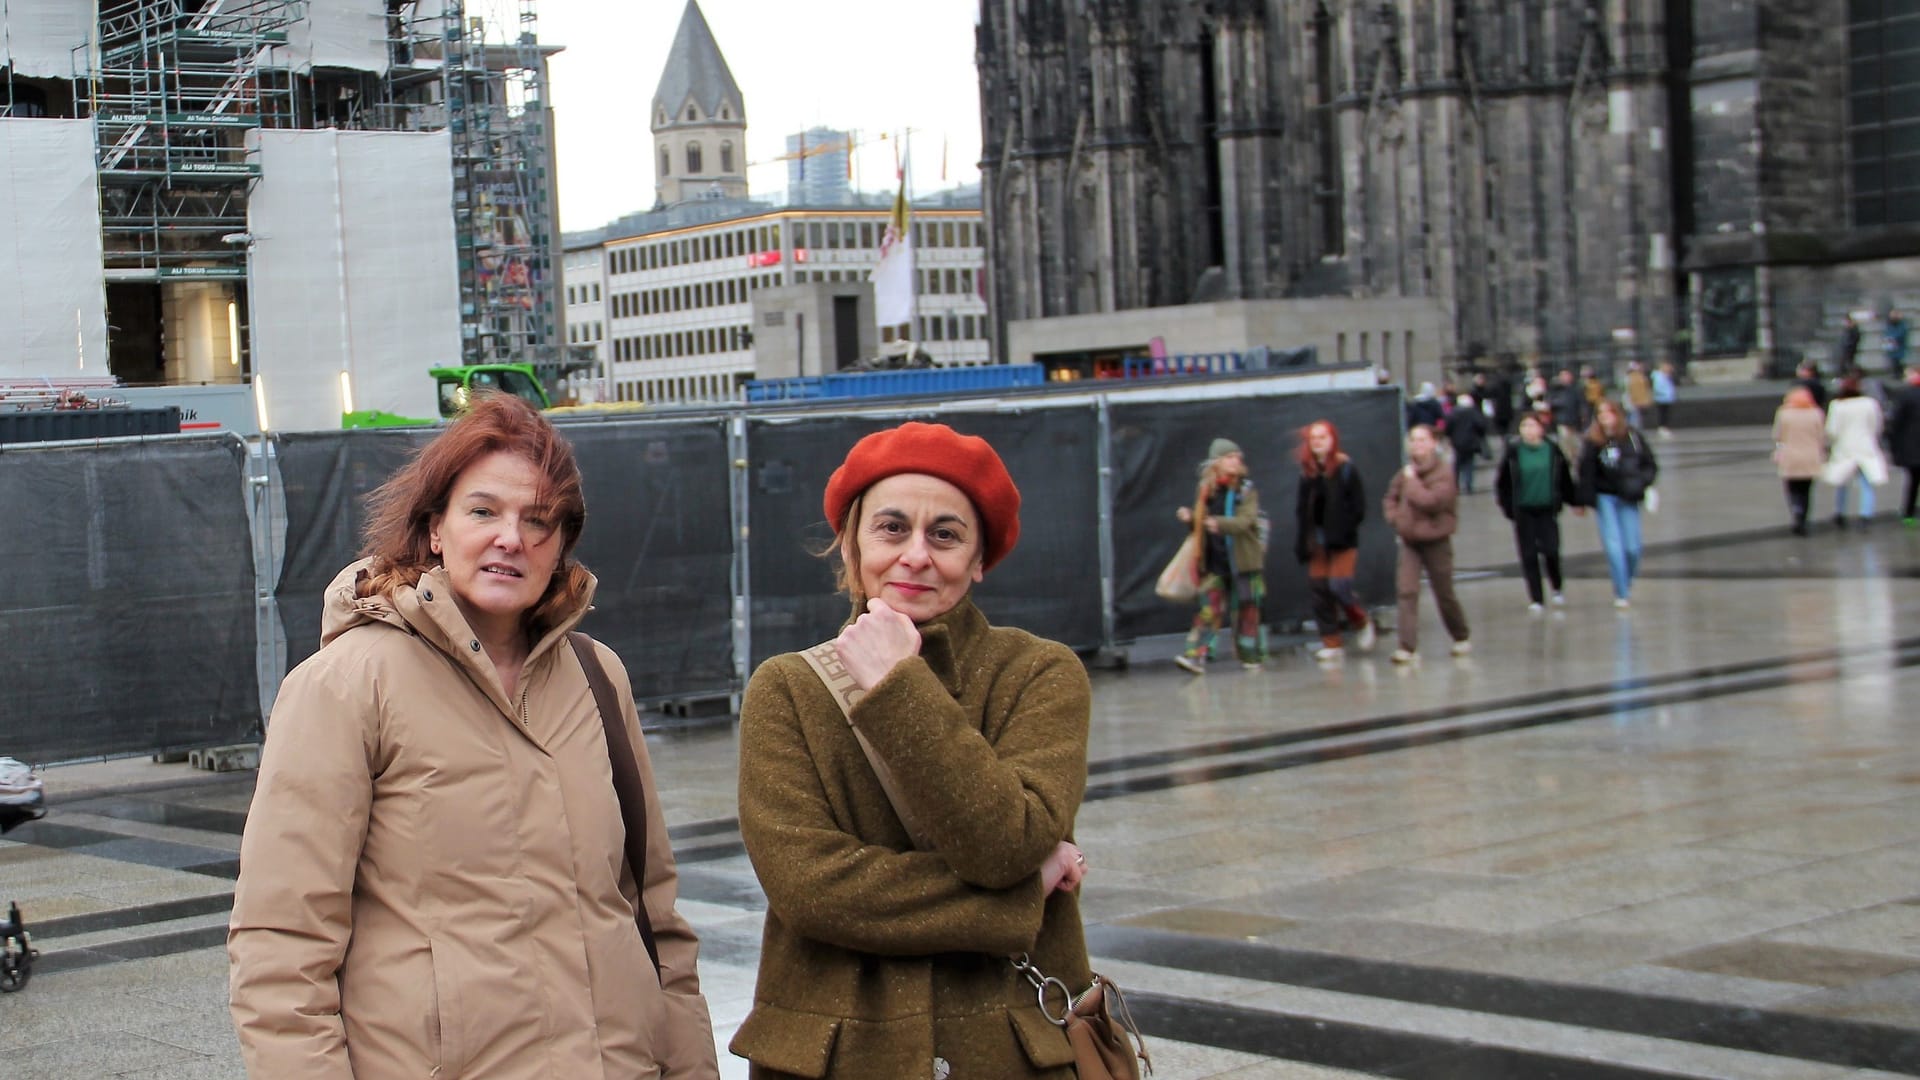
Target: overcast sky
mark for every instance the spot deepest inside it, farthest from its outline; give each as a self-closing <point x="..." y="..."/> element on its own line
<point x="865" y="65"/>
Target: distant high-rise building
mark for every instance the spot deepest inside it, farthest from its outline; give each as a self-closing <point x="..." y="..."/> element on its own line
<point x="817" y="168"/>
<point x="699" y="120"/>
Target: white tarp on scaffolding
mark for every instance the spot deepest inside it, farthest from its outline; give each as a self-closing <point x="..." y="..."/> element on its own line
<point x="340" y="34"/>
<point x="53" y="310"/>
<point x="39" y="36"/>
<point x="353" y="270"/>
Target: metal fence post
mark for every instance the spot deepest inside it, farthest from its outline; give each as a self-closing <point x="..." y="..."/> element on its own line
<point x="261" y="511"/>
<point x="739" y="481"/>
<point x="1104" y="499"/>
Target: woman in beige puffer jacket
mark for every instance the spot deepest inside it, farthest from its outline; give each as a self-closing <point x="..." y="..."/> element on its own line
<point x="433" y="879"/>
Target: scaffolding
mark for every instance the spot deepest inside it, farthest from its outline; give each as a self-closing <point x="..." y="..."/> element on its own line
<point x="490" y="97"/>
<point x="173" y="87"/>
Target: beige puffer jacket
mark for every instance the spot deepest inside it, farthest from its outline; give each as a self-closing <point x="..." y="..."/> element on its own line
<point x="432" y="879"/>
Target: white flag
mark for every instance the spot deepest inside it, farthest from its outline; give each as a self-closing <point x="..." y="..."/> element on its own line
<point x="893" y="282"/>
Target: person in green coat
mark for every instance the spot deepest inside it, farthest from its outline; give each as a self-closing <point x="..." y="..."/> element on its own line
<point x="892" y="927"/>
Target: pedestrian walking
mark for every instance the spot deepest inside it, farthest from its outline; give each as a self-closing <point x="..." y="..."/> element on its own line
<point x="1639" y="394"/>
<point x="436" y="878"/>
<point x="1533" y="485"/>
<point x="1421" y="506"/>
<point x="1467" y="433"/>
<point x="1854" y="459"/>
<point x="1894" y="343"/>
<point x="1225" y="519"/>
<point x="1799" y="451"/>
<point x="1567" y="400"/>
<point x="908" y="792"/>
<point x="1329" y="506"/>
<point x="1425" y="408"/>
<point x="1809" y="376"/>
<point x="1666" y="392"/>
<point x="1617" y="469"/>
<point x="1903" y="435"/>
<point x="1849" y="344"/>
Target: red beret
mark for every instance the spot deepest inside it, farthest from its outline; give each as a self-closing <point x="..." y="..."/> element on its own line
<point x="965" y="461"/>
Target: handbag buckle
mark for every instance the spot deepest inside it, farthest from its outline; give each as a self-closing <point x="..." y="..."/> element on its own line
<point x="1045" y="986"/>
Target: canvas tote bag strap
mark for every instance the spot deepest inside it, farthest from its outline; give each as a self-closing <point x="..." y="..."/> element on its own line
<point x="824" y="659"/>
<point x="626" y="783"/>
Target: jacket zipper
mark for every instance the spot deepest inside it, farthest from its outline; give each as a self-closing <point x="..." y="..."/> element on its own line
<point x="525" y="720"/>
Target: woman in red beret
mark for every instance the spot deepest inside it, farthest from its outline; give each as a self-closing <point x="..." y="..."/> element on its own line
<point x="905" y="875"/>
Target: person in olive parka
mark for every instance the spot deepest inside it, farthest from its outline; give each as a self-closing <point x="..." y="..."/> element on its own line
<point x="884" y="955"/>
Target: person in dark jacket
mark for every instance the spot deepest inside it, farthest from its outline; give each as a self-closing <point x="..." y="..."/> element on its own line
<point x="1329" y="506"/>
<point x="1567" y="400"/>
<point x="1425" y="408"/>
<point x="1849" y="344"/>
<point x="1467" y="431"/>
<point x="1617" y="469"/>
<point x="1903" y="434"/>
<point x="1809" y="376"/>
<point x="1533" y="484"/>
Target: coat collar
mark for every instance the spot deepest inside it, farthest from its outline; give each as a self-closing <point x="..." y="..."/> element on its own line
<point x="427" y="611"/>
<point x="947" y="640"/>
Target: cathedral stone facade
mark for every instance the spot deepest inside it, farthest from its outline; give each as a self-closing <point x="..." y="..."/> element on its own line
<point x="1570" y="180"/>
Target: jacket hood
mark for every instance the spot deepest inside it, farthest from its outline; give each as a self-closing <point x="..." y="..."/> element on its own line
<point x="411" y="608"/>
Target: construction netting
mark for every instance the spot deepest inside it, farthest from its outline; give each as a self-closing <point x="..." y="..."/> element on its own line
<point x="658" y="537"/>
<point x="54" y="309"/>
<point x="128" y="615"/>
<point x="1157" y="451"/>
<point x="353" y="252"/>
<point x="340" y="34"/>
<point x="41" y="35"/>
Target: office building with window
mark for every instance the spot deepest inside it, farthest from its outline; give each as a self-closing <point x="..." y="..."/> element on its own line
<point x="818" y="163"/>
<point x="677" y="299"/>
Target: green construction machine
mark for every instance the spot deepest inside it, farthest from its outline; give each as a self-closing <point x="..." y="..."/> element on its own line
<point x="457" y="385"/>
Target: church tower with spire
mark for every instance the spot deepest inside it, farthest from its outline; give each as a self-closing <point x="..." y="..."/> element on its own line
<point x="699" y="120"/>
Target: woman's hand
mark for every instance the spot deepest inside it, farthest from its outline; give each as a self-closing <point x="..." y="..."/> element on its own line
<point x="876" y="642"/>
<point x="1185" y="514"/>
<point x="1063" y="869"/>
<point x="1213" y="524"/>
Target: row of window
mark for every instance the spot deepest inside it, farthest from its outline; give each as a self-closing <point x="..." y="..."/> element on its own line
<point x="718" y="386"/>
<point x="705" y="342"/>
<point x="696" y="159"/>
<point x="816" y="235"/>
<point x="586" y="333"/>
<point x="629" y="305"/>
<point x="583" y="294"/>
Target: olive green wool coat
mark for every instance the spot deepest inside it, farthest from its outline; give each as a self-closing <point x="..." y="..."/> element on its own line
<point x="878" y="958"/>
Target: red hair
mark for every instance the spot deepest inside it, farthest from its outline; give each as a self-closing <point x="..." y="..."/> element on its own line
<point x="1304" y="455"/>
<point x="400" y="512"/>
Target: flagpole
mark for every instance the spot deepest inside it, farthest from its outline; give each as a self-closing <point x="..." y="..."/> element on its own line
<point x="913" y="250"/>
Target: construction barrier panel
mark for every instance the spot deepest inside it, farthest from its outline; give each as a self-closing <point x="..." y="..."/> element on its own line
<point x="129" y="615"/>
<point x="1157" y="452"/>
<point x="658" y="537"/>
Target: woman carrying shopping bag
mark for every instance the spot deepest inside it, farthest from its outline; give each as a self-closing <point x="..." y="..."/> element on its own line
<point x="1225" y="519"/>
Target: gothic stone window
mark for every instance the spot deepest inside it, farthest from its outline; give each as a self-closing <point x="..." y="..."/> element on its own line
<point x="726" y="157"/>
<point x="693" y="158"/>
<point x="692" y="114"/>
<point x="666" y="162"/>
<point x="1883" y="99"/>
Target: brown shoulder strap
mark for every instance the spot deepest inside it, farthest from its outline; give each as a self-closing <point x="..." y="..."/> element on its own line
<point x="824" y="659"/>
<point x="627" y="784"/>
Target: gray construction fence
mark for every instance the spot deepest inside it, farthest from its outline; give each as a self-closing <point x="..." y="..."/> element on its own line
<point x="163" y="587"/>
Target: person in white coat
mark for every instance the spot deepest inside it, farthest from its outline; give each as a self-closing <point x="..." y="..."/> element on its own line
<point x="1854" y="458"/>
